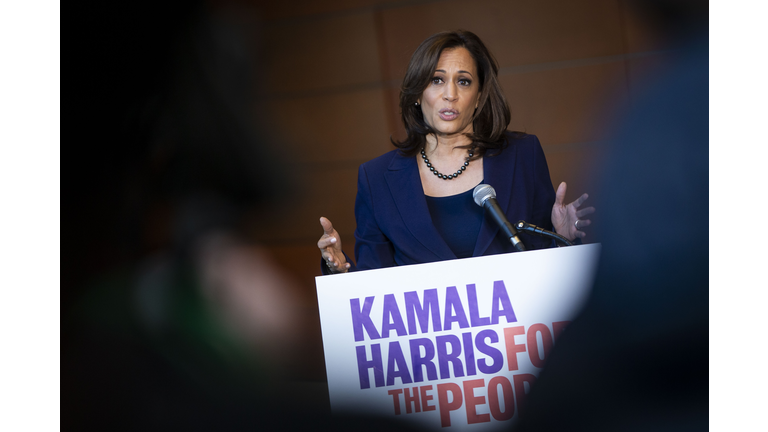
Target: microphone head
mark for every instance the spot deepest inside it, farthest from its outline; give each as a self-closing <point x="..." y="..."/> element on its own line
<point x="482" y="193"/>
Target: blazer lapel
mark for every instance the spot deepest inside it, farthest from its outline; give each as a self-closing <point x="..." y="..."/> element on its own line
<point x="498" y="172"/>
<point x="405" y="186"/>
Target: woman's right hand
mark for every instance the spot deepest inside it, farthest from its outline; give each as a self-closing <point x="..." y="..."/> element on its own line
<point x="330" y="248"/>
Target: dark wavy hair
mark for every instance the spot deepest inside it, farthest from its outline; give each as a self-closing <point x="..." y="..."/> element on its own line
<point x="491" y="118"/>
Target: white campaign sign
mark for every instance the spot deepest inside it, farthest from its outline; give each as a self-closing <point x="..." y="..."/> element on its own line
<point x="452" y="344"/>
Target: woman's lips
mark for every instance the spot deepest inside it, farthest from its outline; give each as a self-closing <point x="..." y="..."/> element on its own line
<point x="448" y="114"/>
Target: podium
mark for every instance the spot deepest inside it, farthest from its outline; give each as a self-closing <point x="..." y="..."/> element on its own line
<point x="452" y="344"/>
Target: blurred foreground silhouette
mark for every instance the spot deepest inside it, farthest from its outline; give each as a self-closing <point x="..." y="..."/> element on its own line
<point x="636" y="358"/>
<point x="174" y="317"/>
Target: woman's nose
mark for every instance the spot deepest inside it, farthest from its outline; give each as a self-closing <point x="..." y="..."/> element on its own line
<point x="449" y="92"/>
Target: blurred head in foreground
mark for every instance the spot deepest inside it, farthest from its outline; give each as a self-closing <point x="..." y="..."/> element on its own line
<point x="636" y="358"/>
<point x="184" y="321"/>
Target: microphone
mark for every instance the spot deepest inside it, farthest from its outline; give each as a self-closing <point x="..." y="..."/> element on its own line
<point x="485" y="196"/>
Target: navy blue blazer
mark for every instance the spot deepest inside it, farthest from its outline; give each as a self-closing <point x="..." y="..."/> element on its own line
<point x="394" y="226"/>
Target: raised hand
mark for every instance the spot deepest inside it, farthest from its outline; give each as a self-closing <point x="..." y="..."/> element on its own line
<point x="330" y="248"/>
<point x="567" y="218"/>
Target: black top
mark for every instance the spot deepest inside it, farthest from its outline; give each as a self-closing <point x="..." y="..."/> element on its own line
<point x="457" y="219"/>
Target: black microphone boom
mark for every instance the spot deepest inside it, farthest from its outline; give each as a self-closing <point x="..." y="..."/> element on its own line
<point x="531" y="228"/>
<point x="485" y="196"/>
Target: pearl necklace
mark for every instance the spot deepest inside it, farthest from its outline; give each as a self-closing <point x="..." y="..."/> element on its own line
<point x="450" y="176"/>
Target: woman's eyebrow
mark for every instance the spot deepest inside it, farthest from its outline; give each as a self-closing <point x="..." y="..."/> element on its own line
<point x="460" y="71"/>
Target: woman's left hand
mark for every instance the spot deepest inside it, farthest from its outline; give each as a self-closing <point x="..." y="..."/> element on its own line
<point x="567" y="218"/>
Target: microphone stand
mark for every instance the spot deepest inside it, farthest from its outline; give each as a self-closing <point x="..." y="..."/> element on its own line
<point x="533" y="229"/>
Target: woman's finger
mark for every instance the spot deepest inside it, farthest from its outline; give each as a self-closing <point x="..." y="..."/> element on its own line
<point x="584" y="223"/>
<point x="579" y="201"/>
<point x="325" y="242"/>
<point x="327" y="226"/>
<point x="327" y="256"/>
<point x="560" y="194"/>
<point x="585" y="211"/>
<point x="331" y="260"/>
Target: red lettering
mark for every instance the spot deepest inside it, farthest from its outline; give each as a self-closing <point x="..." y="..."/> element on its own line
<point x="512" y="347"/>
<point x="533" y="343"/>
<point x="426" y="398"/>
<point x="520" y="393"/>
<point x="445" y="406"/>
<point x="411" y="397"/>
<point x="473" y="401"/>
<point x="396" y="398"/>
<point x="493" y="398"/>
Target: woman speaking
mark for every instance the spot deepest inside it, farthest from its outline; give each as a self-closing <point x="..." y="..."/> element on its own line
<point x="414" y="204"/>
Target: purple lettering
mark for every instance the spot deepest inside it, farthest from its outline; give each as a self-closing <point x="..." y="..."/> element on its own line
<point x="396" y="366"/>
<point x="417" y="360"/>
<point x="495" y="354"/>
<point x="414" y="308"/>
<point x="474" y="311"/>
<point x="443" y="358"/>
<point x="500" y="297"/>
<point x="362" y="318"/>
<point x="469" y="353"/>
<point x="391" y="318"/>
<point x="363" y="364"/>
<point x="453" y="304"/>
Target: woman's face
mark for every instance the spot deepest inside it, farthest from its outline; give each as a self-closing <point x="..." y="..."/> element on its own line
<point x="449" y="102"/>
